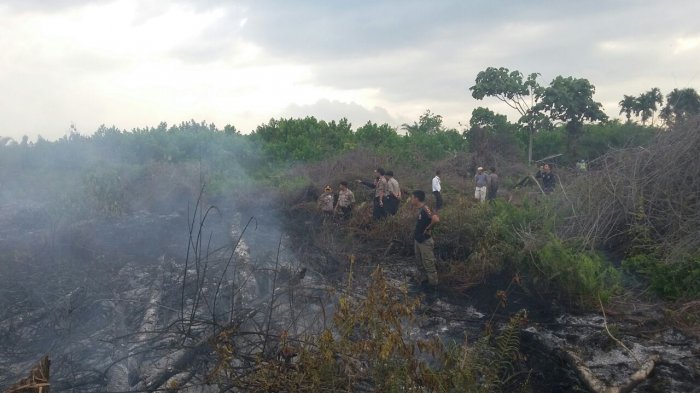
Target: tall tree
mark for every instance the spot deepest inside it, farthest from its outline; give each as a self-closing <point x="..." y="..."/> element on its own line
<point x="570" y="100"/>
<point x="647" y="104"/>
<point x="628" y="105"/>
<point x="428" y="124"/>
<point x="516" y="91"/>
<point x="680" y="105"/>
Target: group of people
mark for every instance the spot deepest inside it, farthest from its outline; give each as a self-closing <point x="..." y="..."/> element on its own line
<point x="387" y="196"/>
<point x="486" y="184"/>
<point x="342" y="204"/>
<point x="387" y="193"/>
<point x="386" y="201"/>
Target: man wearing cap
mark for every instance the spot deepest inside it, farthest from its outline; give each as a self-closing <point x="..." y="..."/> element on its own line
<point x="393" y="191"/>
<point x="346" y="199"/>
<point x="325" y="201"/>
<point x="482" y="181"/>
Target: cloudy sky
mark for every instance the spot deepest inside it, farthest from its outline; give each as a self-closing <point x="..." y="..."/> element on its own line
<point x="134" y="63"/>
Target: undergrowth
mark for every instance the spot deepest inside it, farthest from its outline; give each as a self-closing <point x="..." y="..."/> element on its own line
<point x="370" y="346"/>
<point x="674" y="281"/>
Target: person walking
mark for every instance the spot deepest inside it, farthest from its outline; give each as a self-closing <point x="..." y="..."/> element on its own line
<point x="325" y="201"/>
<point x="379" y="187"/>
<point x="346" y="200"/>
<point x="423" y="240"/>
<point x="393" y="198"/>
<point x="437" y="191"/>
<point x="548" y="179"/>
<point x="481" y="180"/>
<point x="492" y="186"/>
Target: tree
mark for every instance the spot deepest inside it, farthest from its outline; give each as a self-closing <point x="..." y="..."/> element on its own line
<point x="230" y="129"/>
<point x="680" y="105"/>
<point x="305" y="139"/>
<point x="628" y="106"/>
<point x="378" y="136"/>
<point x="570" y="100"/>
<point x="428" y="124"/>
<point x="489" y="120"/>
<point x="519" y="93"/>
<point x="647" y="104"/>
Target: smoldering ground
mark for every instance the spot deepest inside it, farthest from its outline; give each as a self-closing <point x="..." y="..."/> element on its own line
<point x="115" y="254"/>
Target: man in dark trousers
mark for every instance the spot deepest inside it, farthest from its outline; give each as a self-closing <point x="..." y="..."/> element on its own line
<point x="548" y="179"/>
<point x="492" y="185"/>
<point x="437" y="191"/>
<point x="380" y="187"/>
<point x="393" y="194"/>
<point x="346" y="200"/>
<point x="423" y="240"/>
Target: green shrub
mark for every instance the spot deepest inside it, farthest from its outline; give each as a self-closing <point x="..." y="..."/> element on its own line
<point x="578" y="277"/>
<point x="675" y="280"/>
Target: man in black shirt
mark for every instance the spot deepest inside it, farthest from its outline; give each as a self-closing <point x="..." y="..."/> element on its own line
<point x="548" y="179"/>
<point x="423" y="241"/>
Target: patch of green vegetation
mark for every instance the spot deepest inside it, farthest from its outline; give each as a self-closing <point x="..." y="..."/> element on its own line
<point x="580" y="277"/>
<point x="677" y="280"/>
<point x="486" y="239"/>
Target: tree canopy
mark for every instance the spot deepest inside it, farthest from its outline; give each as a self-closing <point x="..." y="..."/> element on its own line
<point x="518" y="92"/>
<point x="680" y="105"/>
<point x="570" y="100"/>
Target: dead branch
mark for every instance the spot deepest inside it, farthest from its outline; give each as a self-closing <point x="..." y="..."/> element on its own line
<point x="37" y="382"/>
<point x="595" y="385"/>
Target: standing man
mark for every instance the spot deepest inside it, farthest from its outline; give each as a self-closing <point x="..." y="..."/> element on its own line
<point x="346" y="200"/>
<point x="492" y="187"/>
<point x="482" y="181"/>
<point x="548" y="179"/>
<point x="437" y="189"/>
<point x="379" y="186"/>
<point x="423" y="240"/>
<point x="393" y="198"/>
<point x="325" y="201"/>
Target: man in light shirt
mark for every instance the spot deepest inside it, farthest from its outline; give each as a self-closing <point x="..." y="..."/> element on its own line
<point x="346" y="199"/>
<point x="481" y="180"/>
<point x="393" y="197"/>
<point x="379" y="187"/>
<point x="437" y="191"/>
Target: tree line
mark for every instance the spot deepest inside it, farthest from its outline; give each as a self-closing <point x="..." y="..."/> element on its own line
<point x="568" y="101"/>
<point x="562" y="116"/>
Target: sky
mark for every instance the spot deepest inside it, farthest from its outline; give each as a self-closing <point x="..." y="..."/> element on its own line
<point x="136" y="63"/>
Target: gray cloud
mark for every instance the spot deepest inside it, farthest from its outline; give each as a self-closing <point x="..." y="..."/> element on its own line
<point x="417" y="54"/>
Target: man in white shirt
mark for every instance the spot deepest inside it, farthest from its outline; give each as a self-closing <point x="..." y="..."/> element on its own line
<point x="437" y="189"/>
<point x="481" y="180"/>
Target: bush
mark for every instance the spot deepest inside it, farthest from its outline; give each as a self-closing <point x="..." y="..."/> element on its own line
<point x="678" y="280"/>
<point x="578" y="277"/>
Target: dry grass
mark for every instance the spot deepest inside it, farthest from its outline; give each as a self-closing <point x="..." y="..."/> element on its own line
<point x="643" y="197"/>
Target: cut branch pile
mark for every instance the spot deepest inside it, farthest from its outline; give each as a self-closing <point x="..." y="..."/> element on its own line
<point x="37" y="382"/>
<point x="644" y="197"/>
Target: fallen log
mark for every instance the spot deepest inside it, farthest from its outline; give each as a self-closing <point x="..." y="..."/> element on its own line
<point x="37" y="382"/>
